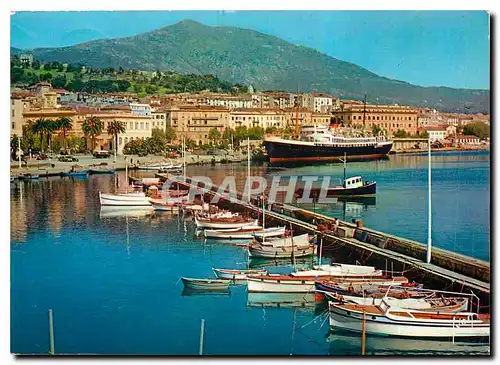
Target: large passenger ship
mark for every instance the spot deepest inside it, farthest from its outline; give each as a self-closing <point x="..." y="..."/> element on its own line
<point x="320" y="143"/>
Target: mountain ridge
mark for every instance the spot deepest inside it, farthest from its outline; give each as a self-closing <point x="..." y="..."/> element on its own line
<point x="268" y="62"/>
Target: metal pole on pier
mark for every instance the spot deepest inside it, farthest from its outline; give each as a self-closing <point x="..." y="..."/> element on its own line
<point x="429" y="218"/>
<point x="184" y="157"/>
<point x="202" y="331"/>
<point x="363" y="334"/>
<point x="248" y="172"/>
<point x="19" y="150"/>
<point x="51" y="333"/>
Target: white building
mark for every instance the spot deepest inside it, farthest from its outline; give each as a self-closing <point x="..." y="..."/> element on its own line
<point x="322" y="103"/>
<point x="436" y="133"/>
<point x="140" y="109"/>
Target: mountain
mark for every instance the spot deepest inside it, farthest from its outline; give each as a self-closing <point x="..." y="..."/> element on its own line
<point x="267" y="62"/>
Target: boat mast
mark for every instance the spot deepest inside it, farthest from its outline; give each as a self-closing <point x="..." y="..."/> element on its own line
<point x="345" y="162"/>
<point x="297" y="133"/>
<point x="263" y="220"/>
<point x="184" y="158"/>
<point x="364" y="113"/>
<point x="429" y="214"/>
<point x="248" y="169"/>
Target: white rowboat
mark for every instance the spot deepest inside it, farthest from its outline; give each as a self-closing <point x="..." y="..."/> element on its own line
<point x="128" y="199"/>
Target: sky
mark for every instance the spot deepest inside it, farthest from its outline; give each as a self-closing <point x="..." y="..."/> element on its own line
<point x="427" y="48"/>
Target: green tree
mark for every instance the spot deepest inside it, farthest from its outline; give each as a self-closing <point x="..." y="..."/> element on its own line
<point x="92" y="127"/>
<point x="214" y="135"/>
<point x="376" y="130"/>
<point x="255" y="133"/>
<point x="59" y="82"/>
<point x="115" y="127"/>
<point x="400" y="134"/>
<point x="65" y="125"/>
<point x="169" y="134"/>
<point x="240" y="134"/>
<point x="288" y="131"/>
<point x="478" y="129"/>
<point x="47" y="76"/>
<point x="271" y="130"/>
<point x="423" y="134"/>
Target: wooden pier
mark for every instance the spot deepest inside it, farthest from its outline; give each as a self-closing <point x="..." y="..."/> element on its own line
<point x="446" y="270"/>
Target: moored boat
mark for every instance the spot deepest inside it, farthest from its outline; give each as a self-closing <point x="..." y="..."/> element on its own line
<point x="76" y="170"/>
<point x="95" y="170"/>
<point x="384" y="320"/>
<point x="167" y="207"/>
<point x="320" y="144"/>
<point x="233" y="233"/>
<point x="306" y="284"/>
<point x="290" y="252"/>
<point x="125" y="199"/>
<point x="445" y="305"/>
<point x="28" y="176"/>
<point x="235" y="274"/>
<point x="205" y="284"/>
<point x="270" y="233"/>
<point x="224" y="223"/>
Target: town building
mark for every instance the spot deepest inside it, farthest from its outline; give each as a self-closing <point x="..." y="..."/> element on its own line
<point x="466" y="140"/>
<point x="195" y="121"/>
<point x="435" y="133"/>
<point x="227" y="101"/>
<point x="391" y="118"/>
<point x="140" y="109"/>
<point x="298" y="116"/>
<point x="257" y="117"/>
<point x="323" y="103"/>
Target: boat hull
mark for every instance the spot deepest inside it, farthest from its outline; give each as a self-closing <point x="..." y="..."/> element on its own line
<point x="382" y="325"/>
<point x="225" y="225"/>
<point x="282" y="251"/>
<point x="202" y="284"/>
<point x="130" y="200"/>
<point x="237" y="274"/>
<point x="367" y="190"/>
<point x="283" y="151"/>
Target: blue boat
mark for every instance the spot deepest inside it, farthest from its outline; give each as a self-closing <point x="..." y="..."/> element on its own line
<point x="76" y="171"/>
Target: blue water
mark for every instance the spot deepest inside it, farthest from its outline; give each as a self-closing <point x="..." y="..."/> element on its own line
<point x="112" y="282"/>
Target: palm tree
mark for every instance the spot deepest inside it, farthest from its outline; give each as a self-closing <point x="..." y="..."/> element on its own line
<point x="116" y="127"/>
<point x="65" y="124"/>
<point x="42" y="127"/>
<point x="53" y="126"/>
<point x="92" y="127"/>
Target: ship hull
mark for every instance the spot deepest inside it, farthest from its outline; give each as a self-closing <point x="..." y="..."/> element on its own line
<point x="281" y="151"/>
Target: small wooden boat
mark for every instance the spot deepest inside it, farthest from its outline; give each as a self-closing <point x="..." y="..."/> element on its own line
<point x="276" y="283"/>
<point x="171" y="168"/>
<point x="144" y="181"/>
<point x="127" y="199"/>
<point x="233" y="233"/>
<point x="290" y="252"/>
<point x="28" y="176"/>
<point x="270" y="233"/>
<point x="206" y="284"/>
<point x="234" y="274"/>
<point x="225" y="223"/>
<point x="384" y="320"/>
<point x="342" y="270"/>
<point x="156" y="166"/>
<point x="168" y="207"/>
<point x="399" y="289"/>
<point x="94" y="170"/>
<point x="446" y="305"/>
<point x="276" y="242"/>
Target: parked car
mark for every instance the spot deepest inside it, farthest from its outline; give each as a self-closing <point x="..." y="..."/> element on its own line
<point x="101" y="154"/>
<point x="67" y="159"/>
<point x="42" y="156"/>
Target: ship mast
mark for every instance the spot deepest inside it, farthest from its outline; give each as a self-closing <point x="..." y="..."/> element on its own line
<point x="297" y="133"/>
<point x="364" y="113"/>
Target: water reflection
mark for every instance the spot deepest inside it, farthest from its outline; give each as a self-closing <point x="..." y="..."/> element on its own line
<point x="281" y="300"/>
<point x="376" y="345"/>
<point x="134" y="212"/>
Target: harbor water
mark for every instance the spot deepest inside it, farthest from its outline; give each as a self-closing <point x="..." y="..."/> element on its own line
<point x="112" y="277"/>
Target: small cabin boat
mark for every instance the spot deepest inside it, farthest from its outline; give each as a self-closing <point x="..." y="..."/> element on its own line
<point x="384" y="320"/>
<point x="76" y="170"/>
<point x="28" y="176"/>
<point x="351" y="187"/>
<point x="205" y="284"/>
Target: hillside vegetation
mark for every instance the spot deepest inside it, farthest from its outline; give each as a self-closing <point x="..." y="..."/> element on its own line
<point x="266" y="62"/>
